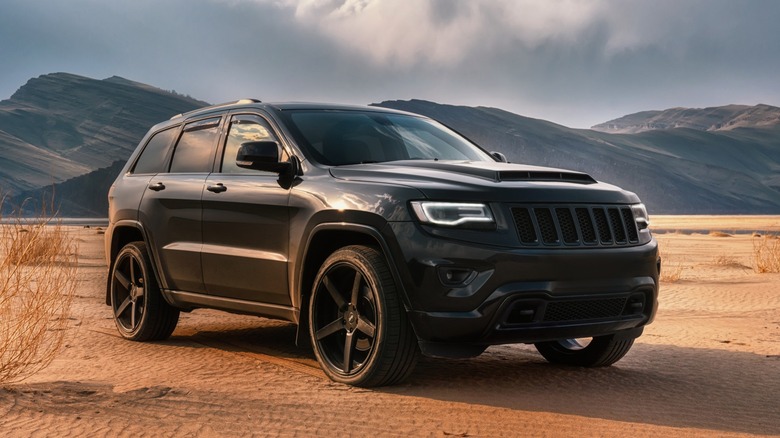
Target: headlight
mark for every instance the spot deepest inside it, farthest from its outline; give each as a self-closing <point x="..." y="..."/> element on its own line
<point x="454" y="214"/>
<point x="640" y="216"/>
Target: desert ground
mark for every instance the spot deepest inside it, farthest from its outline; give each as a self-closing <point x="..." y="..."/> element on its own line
<point x="708" y="366"/>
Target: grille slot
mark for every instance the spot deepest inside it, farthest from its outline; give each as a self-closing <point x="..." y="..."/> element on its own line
<point x="628" y="221"/>
<point x="525" y="226"/>
<point x="568" y="230"/>
<point x="586" y="226"/>
<point x="575" y="225"/>
<point x="546" y="226"/>
<point x="584" y="309"/>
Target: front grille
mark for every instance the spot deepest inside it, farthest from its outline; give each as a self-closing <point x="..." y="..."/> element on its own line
<point x="592" y="225"/>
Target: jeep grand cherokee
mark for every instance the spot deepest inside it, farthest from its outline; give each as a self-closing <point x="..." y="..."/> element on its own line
<point x="381" y="234"/>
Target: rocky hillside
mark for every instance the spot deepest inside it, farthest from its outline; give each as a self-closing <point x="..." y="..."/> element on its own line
<point x="674" y="171"/>
<point x="721" y="118"/>
<point x="59" y="126"/>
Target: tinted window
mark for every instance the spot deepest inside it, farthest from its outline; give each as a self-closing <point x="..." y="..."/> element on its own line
<point x="152" y="159"/>
<point x="244" y="128"/>
<point x="195" y="150"/>
<point x="350" y="137"/>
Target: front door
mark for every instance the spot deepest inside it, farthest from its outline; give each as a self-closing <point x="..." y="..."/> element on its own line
<point x="245" y="223"/>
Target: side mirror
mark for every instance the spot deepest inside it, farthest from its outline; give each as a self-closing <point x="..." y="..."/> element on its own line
<point x="501" y="158"/>
<point x="261" y="155"/>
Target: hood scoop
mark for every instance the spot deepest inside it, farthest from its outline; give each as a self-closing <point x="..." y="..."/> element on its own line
<point x="535" y="175"/>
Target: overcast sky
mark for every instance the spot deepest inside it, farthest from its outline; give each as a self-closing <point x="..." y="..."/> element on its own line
<point x="572" y="62"/>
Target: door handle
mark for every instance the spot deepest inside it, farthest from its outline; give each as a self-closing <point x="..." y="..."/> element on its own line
<point x="157" y="186"/>
<point x="219" y="188"/>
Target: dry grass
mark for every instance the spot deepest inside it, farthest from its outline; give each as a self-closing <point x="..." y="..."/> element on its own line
<point x="766" y="254"/>
<point x="37" y="284"/>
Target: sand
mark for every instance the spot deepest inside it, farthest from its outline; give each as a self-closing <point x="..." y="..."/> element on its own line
<point x="708" y="366"/>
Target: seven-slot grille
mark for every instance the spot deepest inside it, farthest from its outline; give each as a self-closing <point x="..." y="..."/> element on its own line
<point x="575" y="225"/>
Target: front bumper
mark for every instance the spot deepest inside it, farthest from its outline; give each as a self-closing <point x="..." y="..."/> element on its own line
<point x="523" y="295"/>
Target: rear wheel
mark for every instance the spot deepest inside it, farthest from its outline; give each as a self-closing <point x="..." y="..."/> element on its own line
<point x="600" y="351"/>
<point x="140" y="311"/>
<point x="357" y="324"/>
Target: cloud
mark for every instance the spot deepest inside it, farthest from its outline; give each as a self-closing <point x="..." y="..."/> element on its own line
<point x="577" y="62"/>
<point x="440" y="32"/>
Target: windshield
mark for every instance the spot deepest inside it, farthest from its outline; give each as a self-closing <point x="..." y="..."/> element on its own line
<point x="350" y="137"/>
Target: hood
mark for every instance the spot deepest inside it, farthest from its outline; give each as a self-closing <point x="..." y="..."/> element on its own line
<point x="493" y="181"/>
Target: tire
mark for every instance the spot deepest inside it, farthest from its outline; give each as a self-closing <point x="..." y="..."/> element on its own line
<point x="358" y="327"/>
<point x="140" y="311"/>
<point x="602" y="351"/>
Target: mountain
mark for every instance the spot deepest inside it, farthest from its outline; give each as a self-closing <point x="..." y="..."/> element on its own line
<point x="81" y="196"/>
<point x="721" y="118"/>
<point x="59" y="126"/>
<point x="70" y="135"/>
<point x="674" y="171"/>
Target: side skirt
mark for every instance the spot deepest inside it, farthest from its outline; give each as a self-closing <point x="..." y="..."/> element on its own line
<point x="188" y="301"/>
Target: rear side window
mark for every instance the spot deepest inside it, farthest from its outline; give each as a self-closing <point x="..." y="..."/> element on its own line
<point x="195" y="150"/>
<point x="152" y="159"/>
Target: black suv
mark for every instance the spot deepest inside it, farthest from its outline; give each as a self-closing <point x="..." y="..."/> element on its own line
<point x="381" y="234"/>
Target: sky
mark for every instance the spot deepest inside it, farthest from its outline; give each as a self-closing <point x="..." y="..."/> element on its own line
<point x="573" y="62"/>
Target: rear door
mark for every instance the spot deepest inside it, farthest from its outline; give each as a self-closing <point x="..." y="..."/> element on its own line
<point x="246" y="222"/>
<point x="171" y="206"/>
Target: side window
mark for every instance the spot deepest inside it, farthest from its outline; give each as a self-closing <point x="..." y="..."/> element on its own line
<point x="195" y="150"/>
<point x="152" y="159"/>
<point x="245" y="128"/>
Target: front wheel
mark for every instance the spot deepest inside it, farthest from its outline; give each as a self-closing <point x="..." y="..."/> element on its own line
<point x="600" y="351"/>
<point x="357" y="324"/>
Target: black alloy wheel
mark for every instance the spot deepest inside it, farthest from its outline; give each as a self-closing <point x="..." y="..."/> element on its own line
<point x="140" y="312"/>
<point x="358" y="326"/>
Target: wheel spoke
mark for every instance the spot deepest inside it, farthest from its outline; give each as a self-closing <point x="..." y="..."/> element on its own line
<point x="349" y="345"/>
<point x="123" y="307"/>
<point x="329" y="329"/>
<point x="366" y="327"/>
<point x="139" y="292"/>
<point x="132" y="316"/>
<point x="333" y="292"/>
<point x="132" y="270"/>
<point x="124" y="281"/>
<point x="356" y="288"/>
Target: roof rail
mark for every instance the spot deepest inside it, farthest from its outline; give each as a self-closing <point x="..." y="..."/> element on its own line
<point x="238" y="102"/>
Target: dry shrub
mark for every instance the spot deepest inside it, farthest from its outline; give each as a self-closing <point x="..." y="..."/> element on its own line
<point x="728" y="262"/>
<point x="671" y="268"/>
<point x="719" y="234"/>
<point x="671" y="271"/>
<point x="37" y="283"/>
<point x="766" y="254"/>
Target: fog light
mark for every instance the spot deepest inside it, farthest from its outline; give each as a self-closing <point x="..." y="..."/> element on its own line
<point x="456" y="276"/>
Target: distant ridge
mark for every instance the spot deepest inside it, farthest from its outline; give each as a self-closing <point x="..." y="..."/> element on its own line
<point x="720" y="118"/>
<point x="674" y="171"/>
<point x="60" y="125"/>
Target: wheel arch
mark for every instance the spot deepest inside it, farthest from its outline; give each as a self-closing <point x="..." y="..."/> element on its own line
<point x="323" y="240"/>
<point x="122" y="233"/>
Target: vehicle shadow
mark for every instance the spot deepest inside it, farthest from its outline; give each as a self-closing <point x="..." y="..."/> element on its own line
<point x="664" y="385"/>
